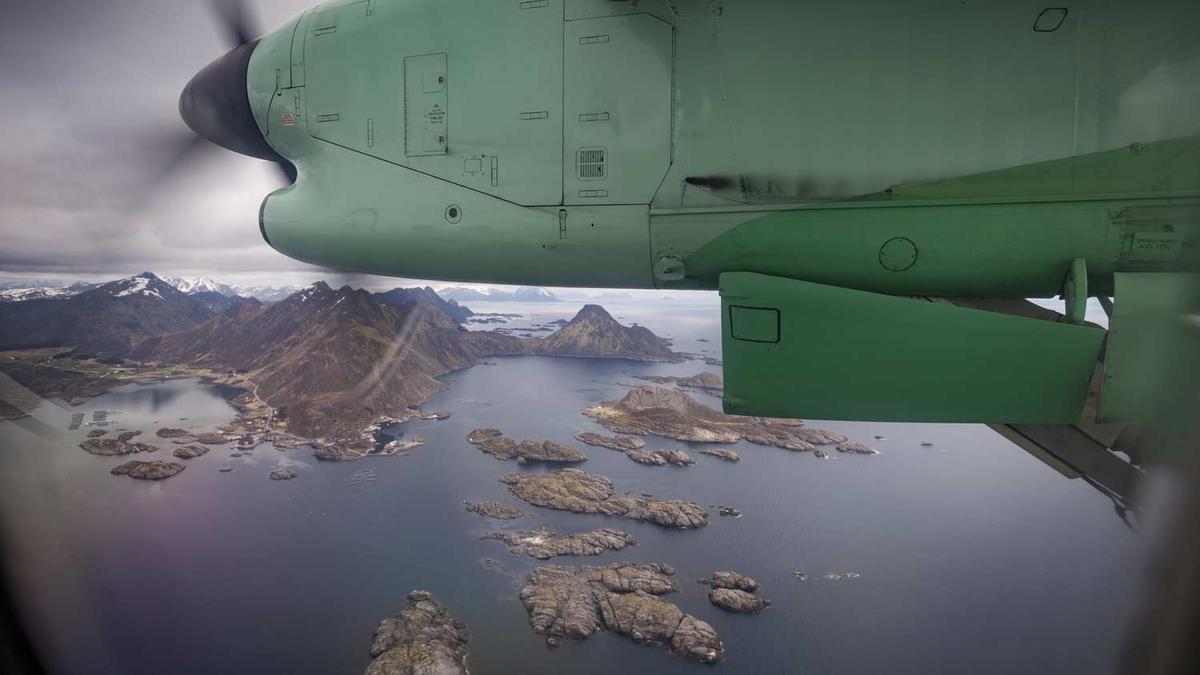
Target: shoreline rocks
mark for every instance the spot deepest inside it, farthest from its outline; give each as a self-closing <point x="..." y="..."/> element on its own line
<point x="147" y="470"/>
<point x="189" y="451"/>
<point x="672" y="413"/>
<point x="169" y="432"/>
<point x="734" y="592"/>
<point x="423" y="639"/>
<point x="707" y="382"/>
<point x="349" y="452"/>
<point x="647" y="457"/>
<point x="741" y="602"/>
<point x="723" y="454"/>
<point x="856" y="448"/>
<point x="676" y="457"/>
<point x="661" y="457"/>
<point x="579" y="492"/>
<point x="577" y="602"/>
<point x="115" y="446"/>
<point x="543" y="544"/>
<point x="730" y="579"/>
<point x="493" y="442"/>
<point x="620" y="443"/>
<point x="211" y="438"/>
<point x="494" y="509"/>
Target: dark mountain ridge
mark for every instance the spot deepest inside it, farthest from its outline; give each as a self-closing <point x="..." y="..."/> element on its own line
<point x="103" y="320"/>
<point x="333" y="359"/>
<point x="398" y="297"/>
<point x="337" y="359"/>
<point x="594" y="333"/>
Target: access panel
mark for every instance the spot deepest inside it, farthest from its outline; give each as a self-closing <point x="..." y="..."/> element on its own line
<point x="617" y="109"/>
<point x="470" y="92"/>
<point x="426" y="114"/>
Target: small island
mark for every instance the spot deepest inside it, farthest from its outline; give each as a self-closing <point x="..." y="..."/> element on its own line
<point x="576" y="602"/>
<point x="151" y="470"/>
<point x="493" y="442"/>
<point x="579" y="492"/>
<point x="168" y="432"/>
<point x="619" y="443"/>
<point x="671" y="413"/>
<point x="734" y="592"/>
<point x="543" y="544"/>
<point x="646" y="457"/>
<point x="494" y="509"/>
<point x="115" y="446"/>
<point x="856" y="448"/>
<point x="739" y="602"/>
<point x="423" y="639"/>
<point x="660" y="457"/>
<point x="189" y="451"/>
<point x="722" y="454"/>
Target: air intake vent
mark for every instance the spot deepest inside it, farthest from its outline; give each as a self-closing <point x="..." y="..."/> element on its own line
<point x="590" y="163"/>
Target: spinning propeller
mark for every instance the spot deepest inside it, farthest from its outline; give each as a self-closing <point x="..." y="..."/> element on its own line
<point x="215" y="103"/>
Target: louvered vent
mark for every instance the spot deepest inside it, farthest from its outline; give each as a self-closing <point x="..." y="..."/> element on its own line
<point x="590" y="163"/>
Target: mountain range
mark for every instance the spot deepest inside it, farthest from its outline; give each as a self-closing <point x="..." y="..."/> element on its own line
<point x="398" y="297"/>
<point x="17" y="291"/>
<point x="522" y="294"/>
<point x="106" y="319"/>
<point x="332" y="359"/>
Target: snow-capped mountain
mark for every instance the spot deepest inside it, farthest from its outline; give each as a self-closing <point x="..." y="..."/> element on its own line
<point x="21" y="294"/>
<point x="21" y="291"/>
<point x="488" y="294"/>
<point x="267" y="293"/>
<point x="192" y="285"/>
<point x="29" y="283"/>
<point x="203" y="285"/>
<point x="103" y="320"/>
<point x="144" y="284"/>
<point x="533" y="294"/>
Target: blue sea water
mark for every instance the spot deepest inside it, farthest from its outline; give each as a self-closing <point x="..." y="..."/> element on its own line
<point x="972" y="556"/>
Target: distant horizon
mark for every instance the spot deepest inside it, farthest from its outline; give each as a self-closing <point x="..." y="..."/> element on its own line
<point x="369" y="282"/>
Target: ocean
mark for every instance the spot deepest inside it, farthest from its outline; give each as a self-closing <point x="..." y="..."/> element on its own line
<point x="971" y="555"/>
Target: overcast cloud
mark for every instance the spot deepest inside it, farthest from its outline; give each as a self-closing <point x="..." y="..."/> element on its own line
<point x="90" y="89"/>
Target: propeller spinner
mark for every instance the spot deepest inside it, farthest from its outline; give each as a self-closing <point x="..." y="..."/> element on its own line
<point x="215" y="104"/>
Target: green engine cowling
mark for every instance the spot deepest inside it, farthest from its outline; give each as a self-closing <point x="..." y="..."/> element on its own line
<point x="590" y="143"/>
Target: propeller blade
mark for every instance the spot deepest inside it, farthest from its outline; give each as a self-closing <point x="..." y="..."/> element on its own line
<point x="235" y="18"/>
<point x="183" y="152"/>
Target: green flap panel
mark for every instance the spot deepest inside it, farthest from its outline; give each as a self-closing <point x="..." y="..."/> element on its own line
<point x="799" y="349"/>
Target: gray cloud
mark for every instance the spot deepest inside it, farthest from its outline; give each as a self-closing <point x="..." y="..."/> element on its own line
<point x="91" y="89"/>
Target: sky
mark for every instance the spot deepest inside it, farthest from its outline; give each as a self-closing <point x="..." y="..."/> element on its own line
<point x="84" y="189"/>
<point x="90" y="90"/>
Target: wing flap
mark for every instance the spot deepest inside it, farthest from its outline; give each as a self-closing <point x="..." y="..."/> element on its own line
<point x="799" y="349"/>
